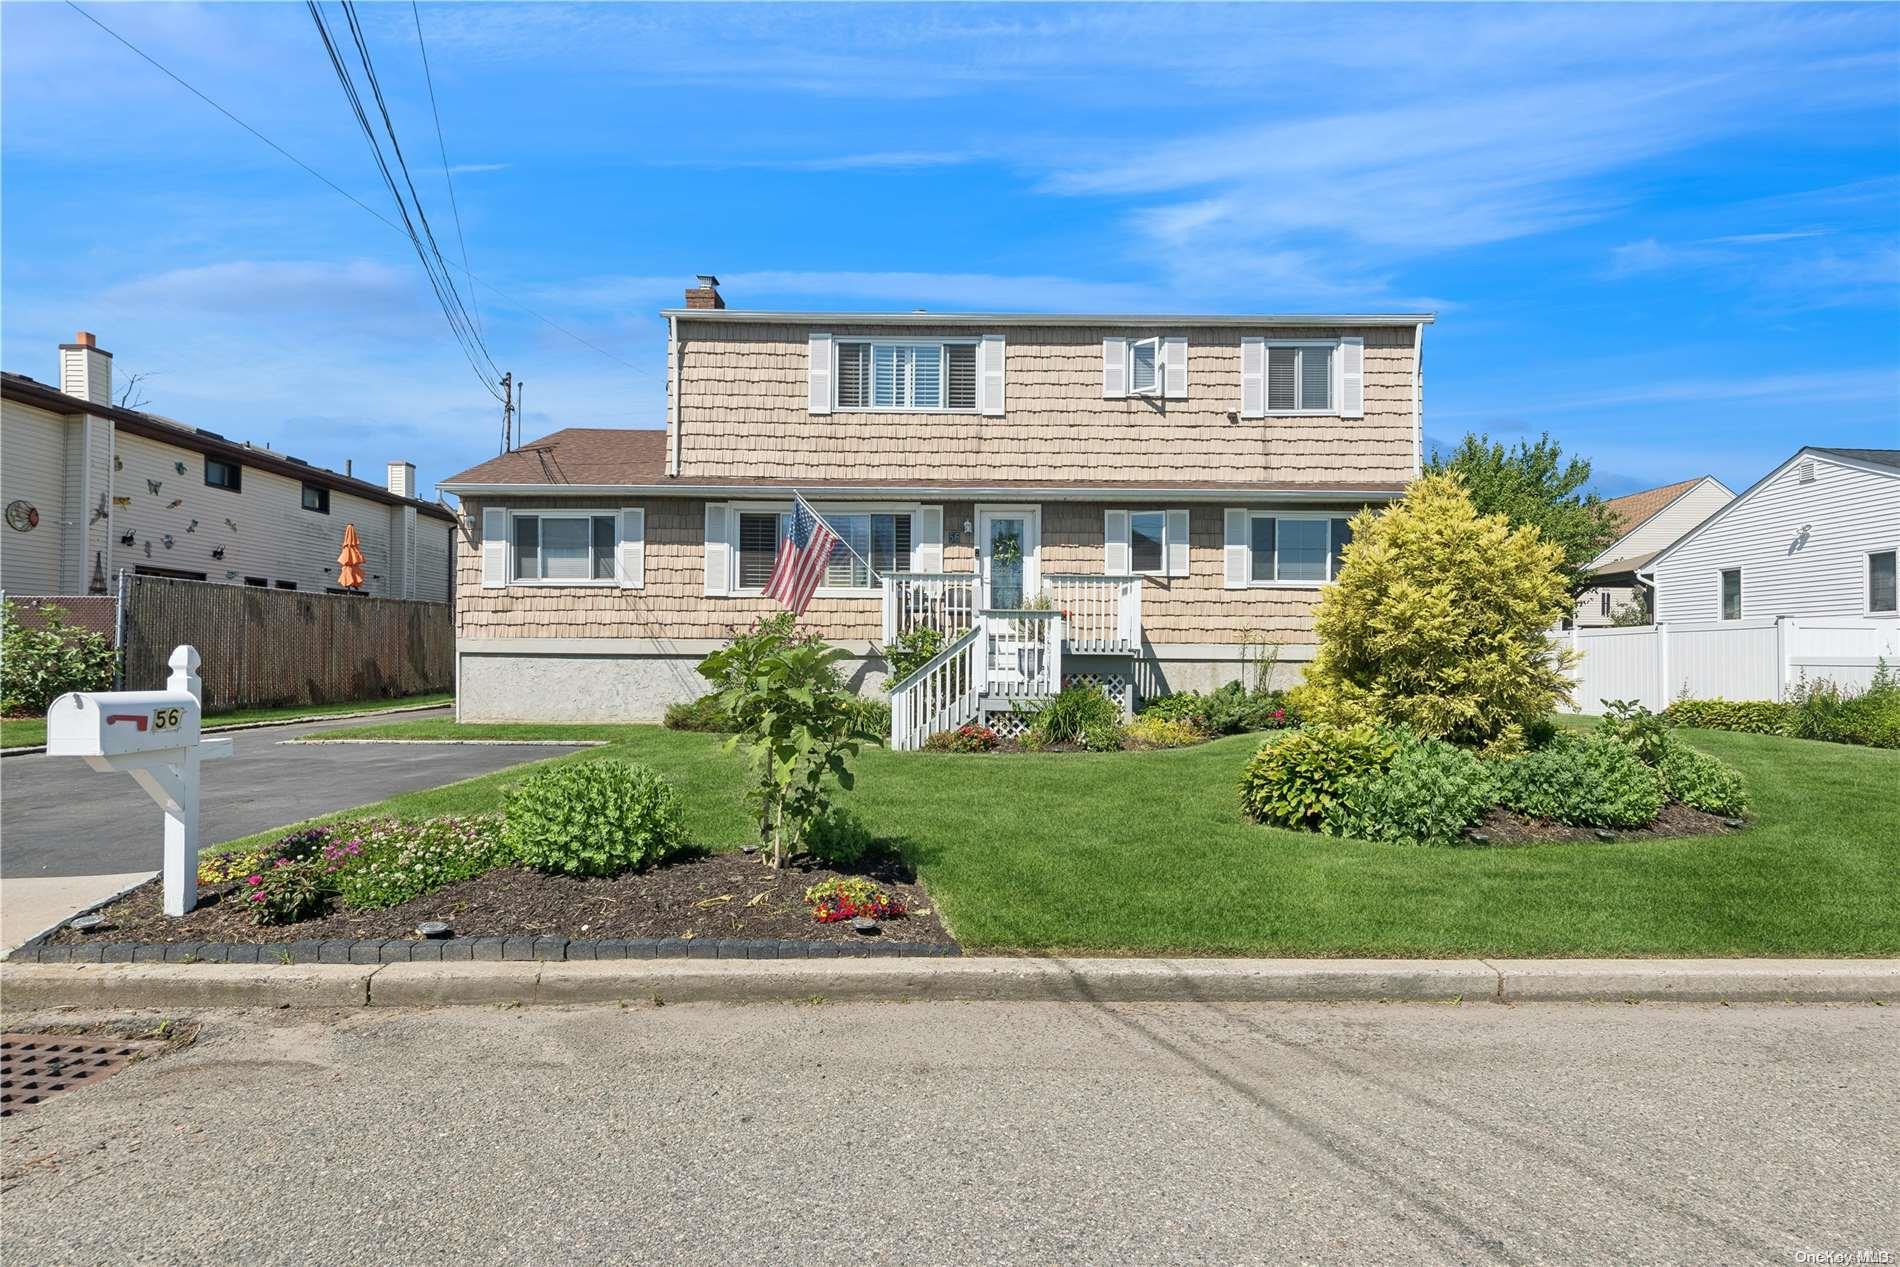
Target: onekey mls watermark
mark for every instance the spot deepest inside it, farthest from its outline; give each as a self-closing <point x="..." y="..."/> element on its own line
<point x="1845" y="1257"/>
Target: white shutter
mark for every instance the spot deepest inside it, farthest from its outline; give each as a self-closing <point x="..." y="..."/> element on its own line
<point x="819" y="376"/>
<point x="1115" y="561"/>
<point x="1237" y="570"/>
<point x="1114" y="369"/>
<point x="633" y="548"/>
<point x="494" y="547"/>
<point x="1352" y="378"/>
<point x="1253" y="377"/>
<point x="989" y="375"/>
<point x="926" y="539"/>
<point x="1176" y="540"/>
<point x="1174" y="367"/>
<point x="718" y="550"/>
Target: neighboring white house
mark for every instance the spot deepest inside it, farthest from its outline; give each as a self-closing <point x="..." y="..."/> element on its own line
<point x="1648" y="521"/>
<point x="1816" y="538"/>
<point x="90" y="488"/>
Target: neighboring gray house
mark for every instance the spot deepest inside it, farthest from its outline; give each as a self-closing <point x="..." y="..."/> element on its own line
<point x="1648" y="521"/>
<point x="90" y="488"/>
<point x="1816" y="538"/>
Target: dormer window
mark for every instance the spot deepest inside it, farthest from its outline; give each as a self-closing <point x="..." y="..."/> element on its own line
<point x="937" y="376"/>
<point x="1144" y="367"/>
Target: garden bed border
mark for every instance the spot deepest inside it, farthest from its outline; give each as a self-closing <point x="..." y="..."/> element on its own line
<point x="524" y="948"/>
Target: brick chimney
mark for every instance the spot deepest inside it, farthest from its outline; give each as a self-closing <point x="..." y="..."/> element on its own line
<point x="706" y="294"/>
<point x="402" y="479"/>
<point x="85" y="370"/>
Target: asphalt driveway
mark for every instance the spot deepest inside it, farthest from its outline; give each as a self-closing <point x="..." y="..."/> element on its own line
<point x="60" y="817"/>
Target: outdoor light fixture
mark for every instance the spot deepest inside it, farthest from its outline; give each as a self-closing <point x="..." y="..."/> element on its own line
<point x="433" y="928"/>
<point x="86" y="923"/>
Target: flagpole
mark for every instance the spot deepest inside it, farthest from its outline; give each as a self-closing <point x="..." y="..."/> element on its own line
<point x="800" y="499"/>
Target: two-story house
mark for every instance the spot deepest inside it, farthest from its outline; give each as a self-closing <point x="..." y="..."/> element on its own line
<point x="91" y="488"/>
<point x="1137" y="499"/>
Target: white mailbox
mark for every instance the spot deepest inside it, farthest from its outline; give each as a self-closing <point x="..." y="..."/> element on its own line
<point x="152" y="736"/>
<point x="114" y="723"/>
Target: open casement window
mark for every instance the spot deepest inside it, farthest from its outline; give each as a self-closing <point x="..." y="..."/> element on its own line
<point x="1295" y="549"/>
<point x="905" y="375"/>
<point x="1155" y="366"/>
<point x="885" y="539"/>
<point x="1731" y="590"/>
<point x="1145" y="542"/>
<point x="1144" y="367"/>
<point x="1883" y="594"/>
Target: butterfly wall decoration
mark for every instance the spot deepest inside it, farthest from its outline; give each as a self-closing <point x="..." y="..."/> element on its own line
<point x="174" y="503"/>
<point x="154" y="485"/>
<point x="218" y="553"/>
<point x="192" y="526"/>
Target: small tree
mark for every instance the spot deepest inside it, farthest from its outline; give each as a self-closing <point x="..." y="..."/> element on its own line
<point x="1533" y="486"/>
<point x="795" y="715"/>
<point x="1439" y="621"/>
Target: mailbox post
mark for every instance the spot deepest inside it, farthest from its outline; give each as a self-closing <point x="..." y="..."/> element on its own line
<point x="153" y="736"/>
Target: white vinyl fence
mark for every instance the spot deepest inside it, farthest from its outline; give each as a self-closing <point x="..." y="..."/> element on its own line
<point x="1755" y="659"/>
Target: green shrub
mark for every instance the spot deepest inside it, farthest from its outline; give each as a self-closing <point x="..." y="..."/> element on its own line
<point x="1629" y="721"/>
<point x="1440" y="621"/>
<point x="837" y="837"/>
<point x="289" y="891"/>
<point x="871" y="718"/>
<point x="395" y="861"/>
<point x="1594" y="781"/>
<point x="1300" y="778"/>
<point x="1067" y="717"/>
<point x="1163" y="732"/>
<point x="1230" y="709"/>
<point x="39" y="664"/>
<point x="1701" y="781"/>
<point x="1754" y="717"/>
<point x="596" y="818"/>
<point x="1826" y="711"/>
<point x="910" y="651"/>
<point x="1102" y="736"/>
<point x="703" y="714"/>
<point x="1181" y="706"/>
<point x="971" y="737"/>
<point x="1427" y="794"/>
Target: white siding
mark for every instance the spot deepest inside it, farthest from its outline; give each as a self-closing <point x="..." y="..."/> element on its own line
<point x="434" y="559"/>
<point x="1590" y="613"/>
<point x="1802" y="548"/>
<point x="1671" y="522"/>
<point x="33" y="469"/>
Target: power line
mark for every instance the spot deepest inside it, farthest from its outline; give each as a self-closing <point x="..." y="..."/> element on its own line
<point x="442" y="147"/>
<point x="361" y="205"/>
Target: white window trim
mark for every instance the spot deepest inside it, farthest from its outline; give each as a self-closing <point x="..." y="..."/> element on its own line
<point x="1867" y="584"/>
<point x="1157" y="389"/>
<point x="735" y="509"/>
<point x="1741" y="605"/>
<point x="1277" y="584"/>
<point x="1266" y="379"/>
<point x="837" y="382"/>
<point x="1166" y="541"/>
<point x="510" y="580"/>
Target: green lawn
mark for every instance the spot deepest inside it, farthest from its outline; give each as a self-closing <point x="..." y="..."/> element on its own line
<point x="1148" y="852"/>
<point x="20" y="732"/>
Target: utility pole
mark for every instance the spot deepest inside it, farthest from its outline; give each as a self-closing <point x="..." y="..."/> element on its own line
<point x="507" y="412"/>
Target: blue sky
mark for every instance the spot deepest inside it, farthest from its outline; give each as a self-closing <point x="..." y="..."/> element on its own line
<point x="1669" y="236"/>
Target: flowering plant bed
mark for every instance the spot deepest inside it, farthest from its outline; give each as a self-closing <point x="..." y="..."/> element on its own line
<point x="704" y="896"/>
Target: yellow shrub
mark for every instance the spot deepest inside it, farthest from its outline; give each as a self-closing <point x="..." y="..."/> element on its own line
<point x="1439" y="621"/>
<point x="1163" y="732"/>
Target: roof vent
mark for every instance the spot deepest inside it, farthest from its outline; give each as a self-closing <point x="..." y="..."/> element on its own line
<point x="1804" y="474"/>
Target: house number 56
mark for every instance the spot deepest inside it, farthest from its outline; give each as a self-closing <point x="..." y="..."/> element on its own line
<point x="164" y="718"/>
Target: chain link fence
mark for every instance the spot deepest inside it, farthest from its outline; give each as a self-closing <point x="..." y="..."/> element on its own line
<point x="264" y="648"/>
<point x="97" y="612"/>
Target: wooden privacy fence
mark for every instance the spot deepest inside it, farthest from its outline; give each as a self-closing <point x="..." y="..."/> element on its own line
<point x="269" y="647"/>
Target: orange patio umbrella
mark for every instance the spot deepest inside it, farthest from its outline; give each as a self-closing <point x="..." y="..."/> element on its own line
<point x="350" y="574"/>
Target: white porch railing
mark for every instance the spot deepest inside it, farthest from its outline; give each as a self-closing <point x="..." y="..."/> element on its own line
<point x="943" y="694"/>
<point x="1022" y="653"/>
<point x="1102" y="613"/>
<point x="944" y="601"/>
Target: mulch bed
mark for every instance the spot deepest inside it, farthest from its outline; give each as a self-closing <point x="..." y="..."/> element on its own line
<point x="724" y="895"/>
<point x="1503" y="827"/>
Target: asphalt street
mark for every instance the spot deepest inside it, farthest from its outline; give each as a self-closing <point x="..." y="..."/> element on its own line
<point x="60" y="817"/>
<point x="978" y="1133"/>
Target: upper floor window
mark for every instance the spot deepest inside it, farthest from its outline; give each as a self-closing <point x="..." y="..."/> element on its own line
<point x="222" y="474"/>
<point x="1882" y="597"/>
<point x="316" y="497"/>
<point x="1300" y="378"/>
<point x="907" y="375"/>
<point x="551" y="546"/>
<point x="1297" y="549"/>
<point x="1144" y="368"/>
<point x="883" y="539"/>
<point x="1732" y="594"/>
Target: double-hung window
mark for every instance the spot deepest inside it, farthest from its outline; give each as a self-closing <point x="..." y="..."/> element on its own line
<point x="222" y="474"/>
<point x="884" y="539"/>
<point x="562" y="546"/>
<point x="1300" y="378"/>
<point x="907" y="375"/>
<point x="1883" y="595"/>
<point x="1296" y="549"/>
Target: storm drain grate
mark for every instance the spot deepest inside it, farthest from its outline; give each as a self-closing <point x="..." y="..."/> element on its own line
<point x="35" y="1066"/>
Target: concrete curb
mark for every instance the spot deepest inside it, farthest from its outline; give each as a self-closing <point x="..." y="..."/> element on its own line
<point x="426" y="984"/>
<point x="28" y="749"/>
<point x="454" y="743"/>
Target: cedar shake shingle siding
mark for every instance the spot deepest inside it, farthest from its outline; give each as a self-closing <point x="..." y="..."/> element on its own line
<point x="743" y="414"/>
<point x="1190" y="610"/>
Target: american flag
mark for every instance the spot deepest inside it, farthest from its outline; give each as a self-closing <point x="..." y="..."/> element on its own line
<point x="802" y="559"/>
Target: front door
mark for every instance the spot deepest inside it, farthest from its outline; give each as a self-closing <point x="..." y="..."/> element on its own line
<point x="1008" y="539"/>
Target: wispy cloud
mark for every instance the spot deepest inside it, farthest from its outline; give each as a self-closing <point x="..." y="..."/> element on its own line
<point x="472" y="169"/>
<point x="1805" y="269"/>
<point x="877" y="160"/>
<point x="1842" y="387"/>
